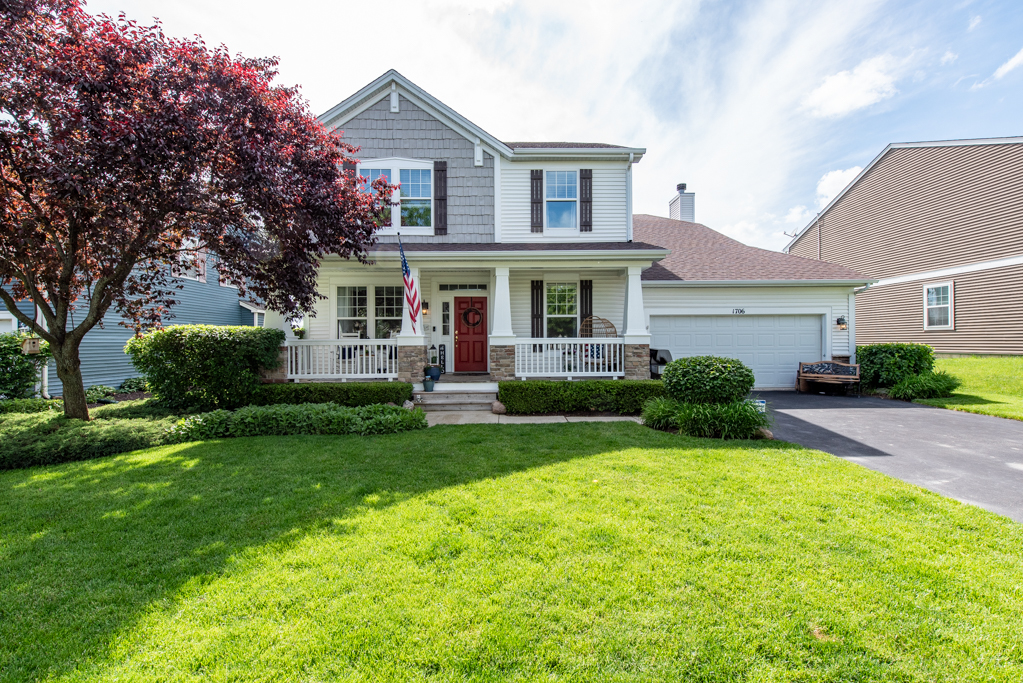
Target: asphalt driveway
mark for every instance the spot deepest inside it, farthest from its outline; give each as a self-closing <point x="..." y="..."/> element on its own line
<point x="976" y="459"/>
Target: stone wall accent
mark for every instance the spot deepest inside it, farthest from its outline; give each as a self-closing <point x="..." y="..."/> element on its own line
<point x="414" y="133"/>
<point x="411" y="361"/>
<point x="281" y="373"/>
<point x="502" y="363"/>
<point x="637" y="361"/>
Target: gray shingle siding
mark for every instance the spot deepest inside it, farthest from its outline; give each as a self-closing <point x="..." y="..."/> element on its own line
<point x="102" y="349"/>
<point x="415" y="134"/>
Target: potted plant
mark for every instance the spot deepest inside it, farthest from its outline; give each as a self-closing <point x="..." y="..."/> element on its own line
<point x="432" y="370"/>
<point x="428" y="383"/>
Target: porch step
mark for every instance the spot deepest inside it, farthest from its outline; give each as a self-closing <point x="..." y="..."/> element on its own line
<point x="454" y="400"/>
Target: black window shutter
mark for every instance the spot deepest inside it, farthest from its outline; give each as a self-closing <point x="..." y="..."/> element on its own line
<point x="536" y="309"/>
<point x="536" y="200"/>
<point x="585" y="306"/>
<point x="440" y="198"/>
<point x="586" y="200"/>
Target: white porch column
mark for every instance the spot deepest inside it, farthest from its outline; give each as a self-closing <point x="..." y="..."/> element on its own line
<point x="407" y="337"/>
<point x="502" y="332"/>
<point x="635" y="319"/>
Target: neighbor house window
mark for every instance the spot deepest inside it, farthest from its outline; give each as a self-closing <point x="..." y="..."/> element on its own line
<point x="562" y="309"/>
<point x="562" y="198"/>
<point x="351" y="313"/>
<point x="415" y="197"/>
<point x="938" y="302"/>
<point x="387" y="312"/>
<point x="191" y="262"/>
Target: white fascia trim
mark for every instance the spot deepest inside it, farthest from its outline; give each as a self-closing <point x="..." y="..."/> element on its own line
<point x="901" y="145"/>
<point x="755" y="283"/>
<point x="531" y="255"/>
<point x="251" y="307"/>
<point x="949" y="272"/>
<point x="581" y="153"/>
<point x="380" y="88"/>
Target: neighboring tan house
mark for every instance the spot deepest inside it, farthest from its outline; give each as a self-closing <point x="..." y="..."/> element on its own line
<point x="202" y="300"/>
<point x="940" y="226"/>
<point x="529" y="264"/>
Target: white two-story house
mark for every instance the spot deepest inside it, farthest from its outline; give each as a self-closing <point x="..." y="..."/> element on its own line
<point x="530" y="263"/>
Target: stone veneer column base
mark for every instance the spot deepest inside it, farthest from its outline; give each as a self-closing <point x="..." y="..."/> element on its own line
<point x="502" y="363"/>
<point x="280" y="373"/>
<point x="411" y="361"/>
<point x="637" y="361"/>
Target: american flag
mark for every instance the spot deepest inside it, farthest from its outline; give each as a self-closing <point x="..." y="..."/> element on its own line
<point x="411" y="294"/>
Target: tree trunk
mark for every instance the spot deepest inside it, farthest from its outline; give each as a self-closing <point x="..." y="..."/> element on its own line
<point x="69" y="370"/>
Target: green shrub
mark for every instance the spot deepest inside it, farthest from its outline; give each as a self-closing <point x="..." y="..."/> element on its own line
<point x="30" y="405"/>
<point x="98" y="392"/>
<point x="536" y="397"/>
<point x="133" y="384"/>
<point x="925" y="385"/>
<point x="205" y="367"/>
<point x="350" y="394"/>
<point x="307" y="418"/>
<point x="707" y="379"/>
<point x="19" y="372"/>
<point x="49" y="438"/>
<point x="735" y="420"/>
<point x="885" y="365"/>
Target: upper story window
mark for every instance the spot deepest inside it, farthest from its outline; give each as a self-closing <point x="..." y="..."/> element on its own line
<point x="938" y="306"/>
<point x="414" y="200"/>
<point x="191" y="262"/>
<point x="562" y="198"/>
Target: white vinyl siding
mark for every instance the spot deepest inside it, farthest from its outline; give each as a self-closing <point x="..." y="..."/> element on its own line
<point x="827" y="302"/>
<point x="610" y="218"/>
<point x="608" y="296"/>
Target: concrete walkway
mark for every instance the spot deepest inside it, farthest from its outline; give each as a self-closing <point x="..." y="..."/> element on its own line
<point x="472" y="417"/>
<point x="976" y="459"/>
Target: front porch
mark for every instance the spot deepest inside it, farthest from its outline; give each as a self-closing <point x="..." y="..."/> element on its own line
<point x="575" y="314"/>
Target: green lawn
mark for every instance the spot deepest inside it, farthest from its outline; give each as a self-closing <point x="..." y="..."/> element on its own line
<point x="992" y="385"/>
<point x="578" y="552"/>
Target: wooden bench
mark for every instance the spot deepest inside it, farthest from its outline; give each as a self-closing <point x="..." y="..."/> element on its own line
<point x="827" y="372"/>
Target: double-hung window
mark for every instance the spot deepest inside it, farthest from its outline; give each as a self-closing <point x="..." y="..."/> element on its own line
<point x="938" y="306"/>
<point x="387" y="312"/>
<point x="562" y="199"/>
<point x="351" y="313"/>
<point x="562" y="309"/>
<point x="412" y="204"/>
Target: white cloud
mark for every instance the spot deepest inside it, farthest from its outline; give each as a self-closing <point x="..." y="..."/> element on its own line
<point x="799" y="215"/>
<point x="870" y="82"/>
<point x="974" y="23"/>
<point x="949" y="57"/>
<point x="833" y="182"/>
<point x="1013" y="63"/>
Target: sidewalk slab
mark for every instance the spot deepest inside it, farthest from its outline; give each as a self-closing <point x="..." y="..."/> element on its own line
<point x="461" y="417"/>
<point x="604" y="418"/>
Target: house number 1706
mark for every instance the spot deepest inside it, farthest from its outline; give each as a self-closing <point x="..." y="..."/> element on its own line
<point x="738" y="311"/>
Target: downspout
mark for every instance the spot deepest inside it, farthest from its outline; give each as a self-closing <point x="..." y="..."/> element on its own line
<point x="628" y="199"/>
<point x="44" y="372"/>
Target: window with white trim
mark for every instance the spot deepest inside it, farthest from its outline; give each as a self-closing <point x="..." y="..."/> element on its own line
<point x="562" y="310"/>
<point x="352" y="315"/>
<point x="191" y="262"/>
<point x="414" y="198"/>
<point x="387" y="311"/>
<point x="562" y="199"/>
<point x="938" y="306"/>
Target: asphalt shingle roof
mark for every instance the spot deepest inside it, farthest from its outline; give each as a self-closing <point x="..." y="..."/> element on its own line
<point x="562" y="145"/>
<point x="699" y="253"/>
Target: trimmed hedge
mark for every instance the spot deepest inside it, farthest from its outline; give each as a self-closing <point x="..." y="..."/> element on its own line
<point x="30" y="405"/>
<point x="205" y="367"/>
<point x="538" y="397"/>
<point x="287" y="420"/>
<point x="351" y="394"/>
<point x="925" y="385"/>
<point x="734" y="420"/>
<point x="707" y="379"/>
<point x="885" y="365"/>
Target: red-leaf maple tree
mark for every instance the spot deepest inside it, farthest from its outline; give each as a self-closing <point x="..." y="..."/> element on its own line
<point x="122" y="149"/>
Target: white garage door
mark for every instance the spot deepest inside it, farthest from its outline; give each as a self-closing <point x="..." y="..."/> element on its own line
<point x="771" y="345"/>
<point x="6" y="325"/>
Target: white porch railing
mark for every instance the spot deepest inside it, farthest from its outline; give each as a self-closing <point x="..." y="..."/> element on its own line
<point x="580" y="357"/>
<point x="343" y="358"/>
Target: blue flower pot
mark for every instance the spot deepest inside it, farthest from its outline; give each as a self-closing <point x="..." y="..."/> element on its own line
<point x="428" y="384"/>
<point x="434" y="373"/>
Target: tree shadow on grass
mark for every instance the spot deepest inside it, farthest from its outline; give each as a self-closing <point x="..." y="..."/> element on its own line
<point x="87" y="548"/>
<point x="960" y="400"/>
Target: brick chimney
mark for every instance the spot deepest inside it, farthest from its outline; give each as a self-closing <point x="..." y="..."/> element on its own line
<point x="682" y="206"/>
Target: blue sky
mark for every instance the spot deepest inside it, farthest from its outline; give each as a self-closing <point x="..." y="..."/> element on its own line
<point x="765" y="108"/>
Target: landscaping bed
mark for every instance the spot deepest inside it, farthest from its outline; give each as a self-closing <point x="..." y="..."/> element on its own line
<point x="518" y="552"/>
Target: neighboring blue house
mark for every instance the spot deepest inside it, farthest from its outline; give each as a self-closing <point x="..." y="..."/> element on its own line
<point x="202" y="301"/>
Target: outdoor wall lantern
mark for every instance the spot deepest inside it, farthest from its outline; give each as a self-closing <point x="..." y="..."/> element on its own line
<point x="426" y="308"/>
<point x="842" y="323"/>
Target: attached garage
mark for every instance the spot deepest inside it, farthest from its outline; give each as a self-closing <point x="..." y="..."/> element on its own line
<point x="771" y="345"/>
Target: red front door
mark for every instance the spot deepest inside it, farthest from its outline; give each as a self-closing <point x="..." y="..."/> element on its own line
<point x="470" y="334"/>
